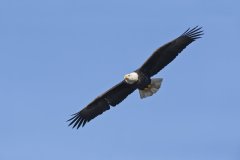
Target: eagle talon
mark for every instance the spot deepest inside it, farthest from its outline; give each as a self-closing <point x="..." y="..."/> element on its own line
<point x="148" y="87"/>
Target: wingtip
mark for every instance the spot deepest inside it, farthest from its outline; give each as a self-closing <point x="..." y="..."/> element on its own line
<point x="76" y="121"/>
<point x="194" y="33"/>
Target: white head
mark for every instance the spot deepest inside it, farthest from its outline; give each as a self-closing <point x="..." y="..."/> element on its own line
<point x="131" y="78"/>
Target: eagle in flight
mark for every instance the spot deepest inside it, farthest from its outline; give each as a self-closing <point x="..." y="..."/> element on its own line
<point x="139" y="79"/>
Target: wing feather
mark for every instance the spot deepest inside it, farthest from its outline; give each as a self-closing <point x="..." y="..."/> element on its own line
<point x="168" y="52"/>
<point x="102" y="103"/>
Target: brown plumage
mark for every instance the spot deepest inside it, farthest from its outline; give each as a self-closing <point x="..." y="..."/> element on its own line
<point x="157" y="61"/>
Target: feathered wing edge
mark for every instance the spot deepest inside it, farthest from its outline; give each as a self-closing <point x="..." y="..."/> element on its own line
<point x="193" y="33"/>
<point x="77" y="120"/>
<point x="112" y="97"/>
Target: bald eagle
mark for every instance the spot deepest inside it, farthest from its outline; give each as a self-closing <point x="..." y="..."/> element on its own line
<point x="139" y="79"/>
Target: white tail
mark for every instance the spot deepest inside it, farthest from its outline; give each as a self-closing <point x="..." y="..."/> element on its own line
<point x="152" y="88"/>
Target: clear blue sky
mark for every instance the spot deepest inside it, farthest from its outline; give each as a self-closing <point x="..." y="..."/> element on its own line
<point x="58" y="55"/>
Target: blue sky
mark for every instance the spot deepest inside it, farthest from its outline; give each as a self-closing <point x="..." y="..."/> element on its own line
<point x="57" y="55"/>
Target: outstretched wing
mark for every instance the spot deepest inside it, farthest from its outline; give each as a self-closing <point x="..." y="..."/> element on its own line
<point x="102" y="103"/>
<point x="168" y="52"/>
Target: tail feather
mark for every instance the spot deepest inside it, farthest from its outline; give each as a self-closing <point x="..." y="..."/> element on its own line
<point x="153" y="88"/>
